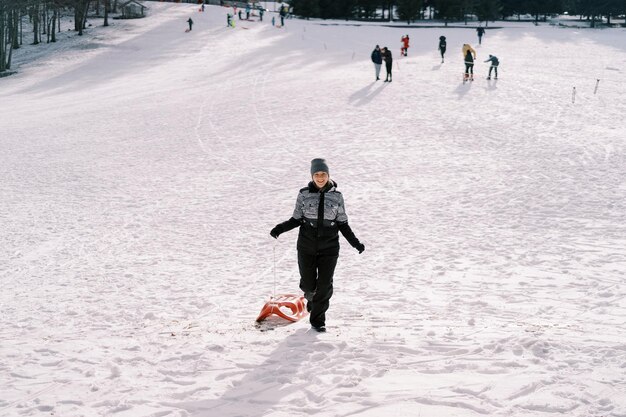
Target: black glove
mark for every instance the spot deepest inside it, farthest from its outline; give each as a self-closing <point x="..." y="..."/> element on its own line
<point x="275" y="232"/>
<point x="360" y="247"/>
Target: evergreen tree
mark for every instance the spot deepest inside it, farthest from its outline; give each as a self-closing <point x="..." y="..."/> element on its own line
<point x="449" y="9"/>
<point x="613" y="8"/>
<point x="305" y="8"/>
<point x="329" y="9"/>
<point x="510" y="8"/>
<point x="408" y="9"/>
<point x="346" y="9"/>
<point x="366" y="9"/>
<point x="487" y="10"/>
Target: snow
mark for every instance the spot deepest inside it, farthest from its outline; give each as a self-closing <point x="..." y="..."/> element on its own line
<point x="139" y="183"/>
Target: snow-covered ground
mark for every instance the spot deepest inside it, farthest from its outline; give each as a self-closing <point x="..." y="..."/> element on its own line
<point x="139" y="182"/>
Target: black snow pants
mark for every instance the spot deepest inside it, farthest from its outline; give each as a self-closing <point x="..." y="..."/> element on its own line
<point x="316" y="281"/>
<point x="388" y="66"/>
<point x="493" y="67"/>
<point x="469" y="68"/>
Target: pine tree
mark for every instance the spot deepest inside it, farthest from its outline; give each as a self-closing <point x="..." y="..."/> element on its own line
<point x="306" y="8"/>
<point x="408" y="9"/>
<point x="487" y="10"/>
<point x="510" y="8"/>
<point x="367" y="8"/>
<point x="449" y="9"/>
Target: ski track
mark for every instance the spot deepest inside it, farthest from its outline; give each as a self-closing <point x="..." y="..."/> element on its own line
<point x="140" y="182"/>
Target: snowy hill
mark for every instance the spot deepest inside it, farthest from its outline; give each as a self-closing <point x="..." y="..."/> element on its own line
<point x="140" y="182"/>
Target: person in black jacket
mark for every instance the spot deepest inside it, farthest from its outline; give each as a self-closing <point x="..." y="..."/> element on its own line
<point x="442" y="46"/>
<point x="480" y="31"/>
<point x="388" y="62"/>
<point x="377" y="59"/>
<point x="190" y="21"/>
<point x="320" y="214"/>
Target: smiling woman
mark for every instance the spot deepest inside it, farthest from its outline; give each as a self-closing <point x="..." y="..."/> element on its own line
<point x="320" y="179"/>
<point x="320" y="213"/>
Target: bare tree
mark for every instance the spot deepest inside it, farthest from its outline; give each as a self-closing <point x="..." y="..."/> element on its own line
<point x="9" y="12"/>
<point x="81" y="7"/>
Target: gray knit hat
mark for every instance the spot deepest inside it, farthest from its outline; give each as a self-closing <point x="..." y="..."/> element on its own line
<point x="319" y="164"/>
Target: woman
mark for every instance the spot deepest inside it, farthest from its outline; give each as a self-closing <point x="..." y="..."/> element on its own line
<point x="442" y="46"/>
<point x="320" y="213"/>
<point x="377" y="59"/>
<point x="468" y="51"/>
<point x="388" y="62"/>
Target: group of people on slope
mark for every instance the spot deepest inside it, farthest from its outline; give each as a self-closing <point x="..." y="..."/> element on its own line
<point x="378" y="56"/>
<point x="230" y="22"/>
<point x="248" y="10"/>
<point x="469" y="55"/>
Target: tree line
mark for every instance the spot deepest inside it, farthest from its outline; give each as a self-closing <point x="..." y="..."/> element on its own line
<point x="455" y="10"/>
<point x="44" y="18"/>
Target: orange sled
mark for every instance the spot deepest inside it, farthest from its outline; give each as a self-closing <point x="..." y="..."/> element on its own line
<point x="295" y="303"/>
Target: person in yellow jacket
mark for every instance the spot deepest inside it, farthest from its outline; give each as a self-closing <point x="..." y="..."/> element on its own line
<point x="469" y="55"/>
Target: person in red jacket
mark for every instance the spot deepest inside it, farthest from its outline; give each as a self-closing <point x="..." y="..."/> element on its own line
<point x="405" y="45"/>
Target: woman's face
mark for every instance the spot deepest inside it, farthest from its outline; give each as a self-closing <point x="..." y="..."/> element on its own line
<point x="320" y="179"/>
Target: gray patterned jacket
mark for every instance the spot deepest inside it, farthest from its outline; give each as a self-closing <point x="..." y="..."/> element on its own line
<point x="308" y="201"/>
<point x="319" y="230"/>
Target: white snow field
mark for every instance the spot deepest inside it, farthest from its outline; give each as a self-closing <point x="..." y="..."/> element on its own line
<point x="139" y="182"/>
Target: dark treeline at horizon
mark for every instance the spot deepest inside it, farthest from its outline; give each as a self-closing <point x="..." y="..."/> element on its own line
<point x="456" y="10"/>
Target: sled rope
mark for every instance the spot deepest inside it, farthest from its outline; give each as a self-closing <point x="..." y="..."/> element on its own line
<point x="274" y="292"/>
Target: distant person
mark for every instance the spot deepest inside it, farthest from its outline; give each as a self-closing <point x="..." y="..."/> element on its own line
<point x="273" y="20"/>
<point x="202" y="7"/>
<point x="494" y="66"/>
<point x="229" y="20"/>
<point x="388" y="62"/>
<point x="239" y="14"/>
<point x="405" y="45"/>
<point x="480" y="31"/>
<point x="469" y="55"/>
<point x="248" y="11"/>
<point x="283" y="13"/>
<point x="261" y="13"/>
<point x="442" y="46"/>
<point x="377" y="59"/>
<point x="190" y="21"/>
